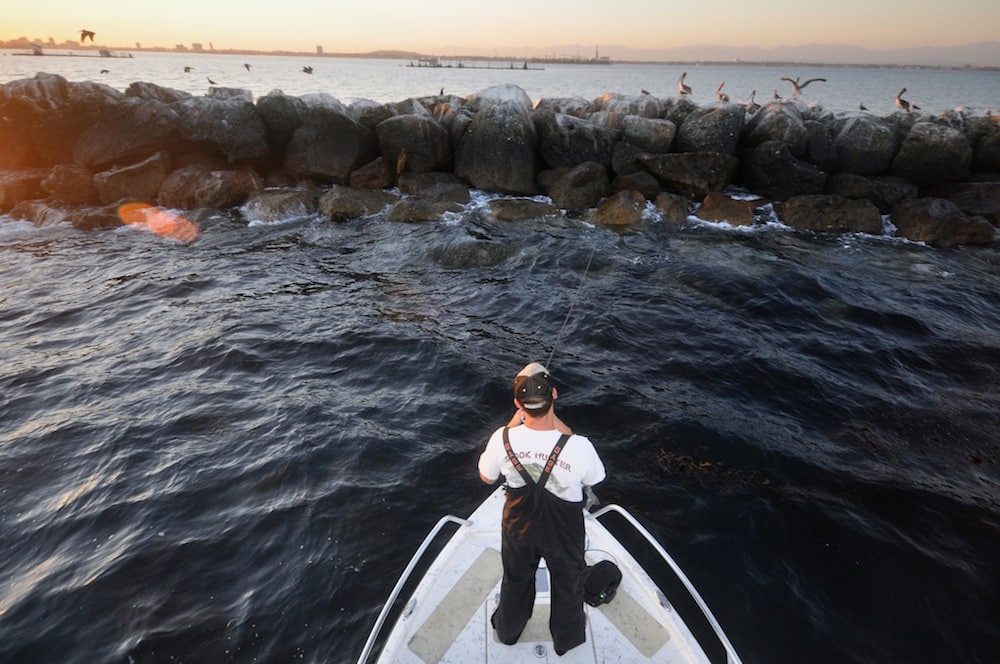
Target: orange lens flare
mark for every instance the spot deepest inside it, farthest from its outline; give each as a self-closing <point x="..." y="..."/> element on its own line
<point x="159" y="221"/>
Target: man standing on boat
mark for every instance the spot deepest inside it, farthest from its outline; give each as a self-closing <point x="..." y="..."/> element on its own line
<point x="546" y="468"/>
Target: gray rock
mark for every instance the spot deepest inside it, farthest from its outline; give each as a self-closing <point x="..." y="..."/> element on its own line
<point x="154" y="92"/>
<point x="127" y="131"/>
<point x="275" y="205"/>
<point x="231" y="125"/>
<point x="621" y="209"/>
<point x="497" y="151"/>
<point x="674" y="209"/>
<point x="328" y="146"/>
<point x="17" y="186"/>
<point x="282" y="115"/>
<point x="885" y="191"/>
<point x="939" y="223"/>
<point x="865" y="146"/>
<point x="424" y="141"/>
<point x="565" y="140"/>
<point x="691" y="174"/>
<point x="520" y="209"/>
<point x="933" y="154"/>
<point x="138" y="182"/>
<point x="71" y="184"/>
<point x="346" y="203"/>
<point x="652" y="135"/>
<point x="779" y="122"/>
<point x="422" y="209"/>
<point x="831" y="214"/>
<point x="772" y="170"/>
<point x="580" y="187"/>
<point x="715" y="128"/>
<point x="196" y="187"/>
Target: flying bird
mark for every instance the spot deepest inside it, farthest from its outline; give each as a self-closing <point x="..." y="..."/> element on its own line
<point x="682" y="87"/>
<point x="723" y="97"/>
<point x="797" y="86"/>
<point x="644" y="91"/>
<point x="210" y="81"/>
<point x="307" y="70"/>
<point x="86" y="33"/>
<point x="187" y="70"/>
<point x="105" y="71"/>
<point x="904" y="104"/>
<point x="247" y="65"/>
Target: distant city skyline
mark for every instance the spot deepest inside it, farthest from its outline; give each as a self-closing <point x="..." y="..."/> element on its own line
<point x="620" y="29"/>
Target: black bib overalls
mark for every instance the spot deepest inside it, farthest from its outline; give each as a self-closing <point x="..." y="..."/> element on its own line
<point x="538" y="524"/>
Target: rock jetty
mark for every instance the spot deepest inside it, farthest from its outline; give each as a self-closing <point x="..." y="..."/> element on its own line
<point x="77" y="151"/>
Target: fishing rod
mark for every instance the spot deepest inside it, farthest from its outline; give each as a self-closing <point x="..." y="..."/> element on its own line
<point x="572" y="305"/>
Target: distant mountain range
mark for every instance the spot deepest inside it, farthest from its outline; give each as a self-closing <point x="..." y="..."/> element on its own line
<point x="982" y="54"/>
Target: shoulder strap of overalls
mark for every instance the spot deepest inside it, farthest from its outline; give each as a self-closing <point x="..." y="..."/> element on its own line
<point x="549" y="465"/>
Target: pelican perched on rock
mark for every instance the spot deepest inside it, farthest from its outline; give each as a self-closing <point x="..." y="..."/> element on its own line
<point x="797" y="86"/>
<point x="720" y="94"/>
<point x="862" y="107"/>
<point x="682" y="87"/>
<point x="751" y="105"/>
<point x="86" y="33"/>
<point x="905" y="105"/>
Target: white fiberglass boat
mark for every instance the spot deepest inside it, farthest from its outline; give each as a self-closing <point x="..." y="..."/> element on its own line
<point x="447" y="618"/>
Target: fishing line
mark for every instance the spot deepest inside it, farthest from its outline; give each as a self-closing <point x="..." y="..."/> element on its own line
<point x="572" y="305"/>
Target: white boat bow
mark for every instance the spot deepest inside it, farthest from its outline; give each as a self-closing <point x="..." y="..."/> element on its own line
<point x="447" y="618"/>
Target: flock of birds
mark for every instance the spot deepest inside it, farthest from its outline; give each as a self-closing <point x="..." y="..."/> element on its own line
<point x="683" y="88"/>
<point x="89" y="34"/>
<point x="797" y="86"/>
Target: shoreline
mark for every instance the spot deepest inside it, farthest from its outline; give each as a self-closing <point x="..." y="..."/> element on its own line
<point x="412" y="55"/>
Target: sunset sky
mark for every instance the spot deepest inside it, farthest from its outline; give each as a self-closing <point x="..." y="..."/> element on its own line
<point x="475" y="26"/>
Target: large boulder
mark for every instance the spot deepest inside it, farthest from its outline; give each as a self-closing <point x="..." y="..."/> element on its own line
<point x="653" y="135"/>
<point x="622" y="209"/>
<point x="779" y="122"/>
<point x="154" y="92"/>
<point x="939" y="223"/>
<point x="566" y="140"/>
<point x="674" y="209"/>
<point x="282" y="115"/>
<point x="831" y="214"/>
<point x="231" y="125"/>
<point x="577" y="188"/>
<point x="196" y="186"/>
<point x="497" y="150"/>
<point x="499" y="95"/>
<point x="932" y="154"/>
<point x="140" y="181"/>
<point x="328" y="146"/>
<point x="972" y="198"/>
<point x="278" y="205"/>
<point x="691" y="174"/>
<point x="17" y="186"/>
<point x="865" y="146"/>
<point x="772" y="170"/>
<point x="423" y="141"/>
<point x="717" y="206"/>
<point x="885" y="191"/>
<point x="715" y="128"/>
<point x="984" y="137"/>
<point x="129" y="130"/>
<point x="71" y="184"/>
<point x="345" y="203"/>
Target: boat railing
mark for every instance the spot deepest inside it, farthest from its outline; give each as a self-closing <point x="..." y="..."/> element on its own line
<point x="731" y="656"/>
<point x="394" y="595"/>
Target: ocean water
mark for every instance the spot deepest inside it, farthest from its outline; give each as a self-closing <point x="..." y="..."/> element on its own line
<point x="226" y="450"/>
<point x="347" y="79"/>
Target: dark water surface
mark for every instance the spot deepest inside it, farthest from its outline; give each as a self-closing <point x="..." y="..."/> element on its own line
<point x="226" y="451"/>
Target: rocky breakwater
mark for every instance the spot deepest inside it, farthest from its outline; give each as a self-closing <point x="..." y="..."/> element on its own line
<point x="77" y="151"/>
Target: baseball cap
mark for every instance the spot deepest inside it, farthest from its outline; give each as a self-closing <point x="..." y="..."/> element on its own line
<point x="533" y="387"/>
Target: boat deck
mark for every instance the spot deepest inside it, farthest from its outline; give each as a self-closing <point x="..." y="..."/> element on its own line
<point x="447" y="618"/>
